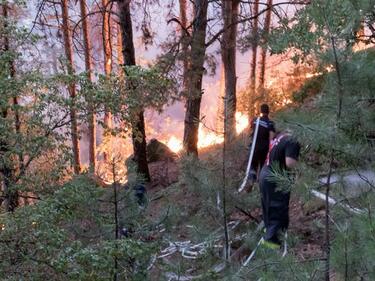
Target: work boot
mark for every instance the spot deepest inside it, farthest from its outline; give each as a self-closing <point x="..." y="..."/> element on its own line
<point x="270" y="245"/>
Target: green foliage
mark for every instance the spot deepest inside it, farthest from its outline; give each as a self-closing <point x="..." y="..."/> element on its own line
<point x="69" y="235"/>
<point x="310" y="88"/>
<point x="353" y="248"/>
<point x="337" y="120"/>
<point x="125" y="95"/>
<point x="310" y="31"/>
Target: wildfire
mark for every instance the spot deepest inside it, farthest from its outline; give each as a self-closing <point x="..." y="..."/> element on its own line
<point x="175" y="144"/>
<point x="119" y="149"/>
<point x="206" y="137"/>
<point x="242" y="122"/>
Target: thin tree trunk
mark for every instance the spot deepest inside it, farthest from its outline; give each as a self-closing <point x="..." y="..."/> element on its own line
<point x="107" y="49"/>
<point x="107" y="53"/>
<point x="224" y="172"/>
<point x="220" y="107"/>
<point x="116" y="215"/>
<point x="184" y="41"/>
<point x="195" y="76"/>
<point x="253" y="64"/>
<point x="327" y="234"/>
<point x="228" y="55"/>
<point x="11" y="199"/>
<point x="138" y="126"/>
<point x="72" y="87"/>
<point x="340" y="92"/>
<point x="263" y="55"/>
<point x="88" y="67"/>
<point x="120" y="58"/>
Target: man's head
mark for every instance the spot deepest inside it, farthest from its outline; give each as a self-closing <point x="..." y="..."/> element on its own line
<point x="264" y="109"/>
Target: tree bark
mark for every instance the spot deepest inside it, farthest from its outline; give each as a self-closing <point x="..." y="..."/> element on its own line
<point x="220" y="108"/>
<point x="253" y="64"/>
<point x="263" y="55"/>
<point x="11" y="197"/>
<point x="184" y="41"/>
<point x="228" y="55"/>
<point x="107" y="49"/>
<point x="72" y="87"/>
<point x="88" y="67"/>
<point x="195" y="76"/>
<point x="138" y="125"/>
<point x="120" y="58"/>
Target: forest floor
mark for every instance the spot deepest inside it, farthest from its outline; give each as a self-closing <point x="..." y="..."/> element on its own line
<point x="305" y="221"/>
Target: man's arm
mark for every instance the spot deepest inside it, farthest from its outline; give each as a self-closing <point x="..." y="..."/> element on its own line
<point x="290" y="162"/>
<point x="292" y="153"/>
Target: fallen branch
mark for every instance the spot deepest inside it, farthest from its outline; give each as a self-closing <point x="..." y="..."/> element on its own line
<point x="332" y="201"/>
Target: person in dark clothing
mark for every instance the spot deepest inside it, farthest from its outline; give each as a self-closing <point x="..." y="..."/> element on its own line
<point x="282" y="157"/>
<point x="266" y="133"/>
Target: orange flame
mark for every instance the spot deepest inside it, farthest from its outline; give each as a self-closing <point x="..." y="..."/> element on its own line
<point x="242" y="122"/>
<point x="175" y="144"/>
<point x="208" y="137"/>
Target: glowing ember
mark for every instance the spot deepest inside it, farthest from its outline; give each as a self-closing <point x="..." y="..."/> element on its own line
<point x="242" y="122"/>
<point x="310" y="75"/>
<point x="286" y="101"/>
<point x="175" y="144"/>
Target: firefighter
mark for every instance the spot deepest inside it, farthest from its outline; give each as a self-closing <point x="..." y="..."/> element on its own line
<point x="266" y="133"/>
<point x="282" y="157"/>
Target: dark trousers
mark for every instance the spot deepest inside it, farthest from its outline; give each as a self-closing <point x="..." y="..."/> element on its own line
<point x="275" y="206"/>
<point x="259" y="158"/>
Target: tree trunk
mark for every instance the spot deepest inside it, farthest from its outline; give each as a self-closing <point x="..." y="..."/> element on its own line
<point x="88" y="67"/>
<point x="120" y="58"/>
<point x="72" y="87"/>
<point x="228" y="55"/>
<point x="11" y="197"/>
<point x="263" y="56"/>
<point x="107" y="49"/>
<point x="220" y="108"/>
<point x="138" y="126"/>
<point x="195" y="76"/>
<point x="184" y="41"/>
<point x="253" y="65"/>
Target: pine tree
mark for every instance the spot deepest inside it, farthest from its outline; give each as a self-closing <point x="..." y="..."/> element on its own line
<point x="195" y="76"/>
<point x="72" y="87"/>
<point x="138" y="124"/>
<point x="228" y="55"/>
<point x="89" y="70"/>
<point x="263" y="55"/>
<point x="331" y="25"/>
